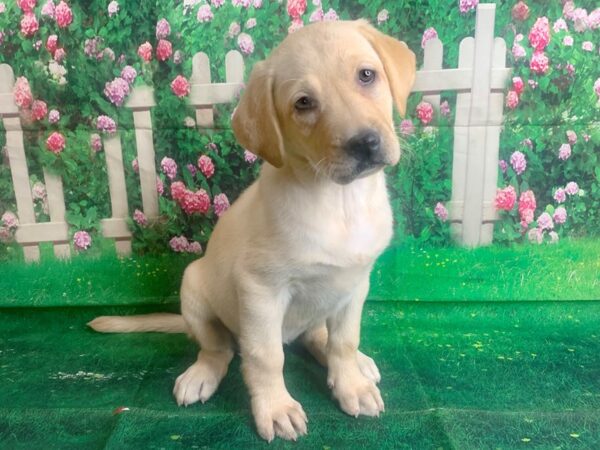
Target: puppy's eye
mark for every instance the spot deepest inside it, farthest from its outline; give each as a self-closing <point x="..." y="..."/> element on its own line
<point x="305" y="103"/>
<point x="366" y="76"/>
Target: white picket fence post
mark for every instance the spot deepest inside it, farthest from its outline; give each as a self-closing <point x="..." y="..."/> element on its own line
<point x="479" y="80"/>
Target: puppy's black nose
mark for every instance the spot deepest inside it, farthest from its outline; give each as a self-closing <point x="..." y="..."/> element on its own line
<point x="365" y="146"/>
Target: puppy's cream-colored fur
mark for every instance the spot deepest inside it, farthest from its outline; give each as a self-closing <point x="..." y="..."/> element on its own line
<point x="292" y="256"/>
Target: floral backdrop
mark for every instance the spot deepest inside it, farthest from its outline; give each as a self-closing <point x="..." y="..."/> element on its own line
<point x="76" y="62"/>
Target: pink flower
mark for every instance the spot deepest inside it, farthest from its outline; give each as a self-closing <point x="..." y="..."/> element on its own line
<point x="257" y="3"/>
<point x="560" y="215"/>
<point x="506" y="198"/>
<point x="96" y="142"/>
<point x="382" y="16"/>
<point x="539" y="63"/>
<point x="234" y="29"/>
<point x="580" y="20"/>
<point x="192" y="169"/>
<point x="52" y="43"/>
<point x="295" y="25"/>
<point x="206" y="166"/>
<point x="217" y="3"/>
<point x="56" y="143"/>
<point x="164" y="50"/>
<point x="564" y="152"/>
<point x="38" y="110"/>
<point x="568" y="8"/>
<point x="145" y="51"/>
<point x="560" y="25"/>
<point x="5" y="233"/>
<point x="296" y="8"/>
<point x="527" y="142"/>
<point x="106" y="124"/>
<point x="571" y="137"/>
<point x="539" y="36"/>
<point x="425" y="112"/>
<point x="518" y="162"/>
<point x="160" y="187"/>
<point x="441" y="212"/>
<point x="518" y="85"/>
<point x="48" y="9"/>
<point x="560" y="195"/>
<point x="129" y="74"/>
<point x="204" y="14"/>
<point x="568" y="41"/>
<point x="169" y="167"/>
<point x="38" y="191"/>
<point x="53" y="116"/>
<point x="250" y="23"/>
<point x="544" y="222"/>
<point x="593" y="20"/>
<point x="518" y="51"/>
<point x="140" y="218"/>
<point x="245" y="43"/>
<point x="536" y="235"/>
<point x="249" y="157"/>
<point x="29" y="25"/>
<point x="82" y="240"/>
<point x="571" y="188"/>
<point x="195" y="202"/>
<point x="407" y="127"/>
<point x="532" y="84"/>
<point x="315" y="16"/>
<point x="179" y="244"/>
<point x="527" y="203"/>
<point x="520" y="11"/>
<point x="135" y="165"/>
<point x="180" y="86"/>
<point x="163" y="29"/>
<point x="512" y="99"/>
<point x="445" y="108"/>
<point x="467" y="5"/>
<point x="26" y="5"/>
<point x="113" y="8"/>
<point x="221" y="204"/>
<point x="2" y="7"/>
<point x="428" y="34"/>
<point x="59" y="55"/>
<point x="63" y="15"/>
<point x="10" y="220"/>
<point x="330" y="16"/>
<point x="22" y="93"/>
<point x="116" y="91"/>
<point x="587" y="46"/>
<point x="178" y="190"/>
<point x="194" y="247"/>
<point x="503" y="165"/>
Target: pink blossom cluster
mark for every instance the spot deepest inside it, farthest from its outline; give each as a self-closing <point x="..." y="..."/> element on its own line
<point x="245" y="43"/>
<point x="520" y="11"/>
<point x="220" y="204"/>
<point x="82" y="240"/>
<point x="440" y="211"/>
<point x="560" y="215"/>
<point x="180" y="244"/>
<point x="526" y="207"/>
<point x="163" y="29"/>
<point x="560" y="195"/>
<point x="9" y="220"/>
<point x="116" y="91"/>
<point x="169" y="167"/>
<point x="467" y="5"/>
<point x="106" y="124"/>
<point x="56" y="142"/>
<point x="22" y="93"/>
<point x="428" y="34"/>
<point x="39" y="109"/>
<point x="407" y="127"/>
<point x="140" y="218"/>
<point x="506" y="198"/>
<point x="295" y="8"/>
<point x="539" y="35"/>
<point x="53" y="116"/>
<point x="129" y="74"/>
<point x="96" y="142"/>
<point x="204" y="14"/>
<point x="564" y="152"/>
<point x="191" y="202"/>
<point x="249" y="157"/>
<point x="382" y="16"/>
<point x="164" y="50"/>
<point x="572" y="188"/>
<point x="38" y="191"/>
<point x="206" y="166"/>
<point x="145" y="51"/>
<point x="425" y="112"/>
<point x="180" y="86"/>
<point x="518" y="162"/>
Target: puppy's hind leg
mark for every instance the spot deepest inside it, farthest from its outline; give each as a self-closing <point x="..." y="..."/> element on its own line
<point x="315" y="341"/>
<point x="200" y="381"/>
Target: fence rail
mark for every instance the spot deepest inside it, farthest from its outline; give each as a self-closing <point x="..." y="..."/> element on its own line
<point x="479" y="81"/>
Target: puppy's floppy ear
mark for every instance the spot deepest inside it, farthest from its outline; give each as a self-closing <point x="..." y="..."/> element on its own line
<point x="254" y="122"/>
<point x="398" y="60"/>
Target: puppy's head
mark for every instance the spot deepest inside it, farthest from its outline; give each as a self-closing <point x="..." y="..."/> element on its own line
<point x="324" y="99"/>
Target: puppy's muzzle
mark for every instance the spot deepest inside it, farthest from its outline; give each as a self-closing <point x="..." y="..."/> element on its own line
<point x="365" y="147"/>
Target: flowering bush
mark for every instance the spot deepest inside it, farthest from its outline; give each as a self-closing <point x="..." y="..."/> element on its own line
<point x="76" y="63"/>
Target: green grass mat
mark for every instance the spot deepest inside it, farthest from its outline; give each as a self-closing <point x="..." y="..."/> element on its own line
<point x="567" y="271"/>
<point x="455" y="376"/>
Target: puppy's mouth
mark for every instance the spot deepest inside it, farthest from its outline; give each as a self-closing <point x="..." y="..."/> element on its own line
<point x="361" y="169"/>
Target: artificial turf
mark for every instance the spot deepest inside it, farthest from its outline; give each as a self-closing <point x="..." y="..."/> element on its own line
<point x="455" y="376"/>
<point x="489" y="357"/>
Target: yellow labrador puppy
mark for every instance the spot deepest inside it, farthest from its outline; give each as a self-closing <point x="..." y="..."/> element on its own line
<point x="291" y="258"/>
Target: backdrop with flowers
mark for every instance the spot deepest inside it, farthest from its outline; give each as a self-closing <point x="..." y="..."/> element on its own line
<point x="76" y="62"/>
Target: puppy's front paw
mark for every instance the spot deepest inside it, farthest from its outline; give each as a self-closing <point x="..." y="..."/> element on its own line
<point x="278" y="414"/>
<point x="198" y="383"/>
<point x="356" y="394"/>
<point x="368" y="367"/>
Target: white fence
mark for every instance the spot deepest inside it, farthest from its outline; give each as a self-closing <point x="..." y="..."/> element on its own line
<point x="479" y="81"/>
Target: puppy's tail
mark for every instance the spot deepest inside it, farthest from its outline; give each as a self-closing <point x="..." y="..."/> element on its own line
<point x="159" y="322"/>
